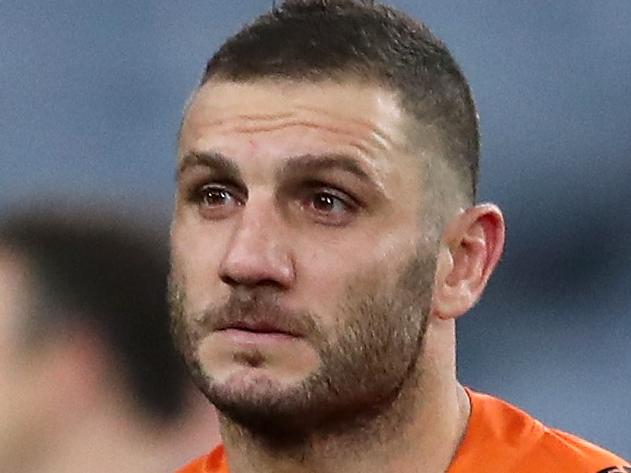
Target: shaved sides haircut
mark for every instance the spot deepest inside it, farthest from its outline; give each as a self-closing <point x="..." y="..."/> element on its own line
<point x="342" y="40"/>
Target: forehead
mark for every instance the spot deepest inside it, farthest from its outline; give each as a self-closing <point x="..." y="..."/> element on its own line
<point x="364" y="115"/>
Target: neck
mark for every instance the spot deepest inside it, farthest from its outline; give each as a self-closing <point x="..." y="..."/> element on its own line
<point x="419" y="432"/>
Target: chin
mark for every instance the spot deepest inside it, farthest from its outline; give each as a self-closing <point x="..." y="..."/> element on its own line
<point x="260" y="402"/>
<point x="256" y="383"/>
<point x="242" y="383"/>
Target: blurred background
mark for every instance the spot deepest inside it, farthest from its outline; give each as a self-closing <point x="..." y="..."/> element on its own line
<point x="90" y="380"/>
<point x="91" y="95"/>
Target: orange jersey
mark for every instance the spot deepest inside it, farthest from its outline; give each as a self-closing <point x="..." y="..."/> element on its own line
<point x="499" y="439"/>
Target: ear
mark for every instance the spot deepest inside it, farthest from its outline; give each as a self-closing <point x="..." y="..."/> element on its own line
<point x="470" y="248"/>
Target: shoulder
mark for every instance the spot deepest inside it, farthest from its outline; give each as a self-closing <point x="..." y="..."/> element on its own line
<point x="214" y="462"/>
<point x="556" y="449"/>
<point x="504" y="438"/>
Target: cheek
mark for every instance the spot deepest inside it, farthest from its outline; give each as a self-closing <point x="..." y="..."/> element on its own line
<point x="362" y="268"/>
<point x="196" y="253"/>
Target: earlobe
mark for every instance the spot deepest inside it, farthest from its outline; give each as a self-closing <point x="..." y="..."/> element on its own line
<point x="470" y="250"/>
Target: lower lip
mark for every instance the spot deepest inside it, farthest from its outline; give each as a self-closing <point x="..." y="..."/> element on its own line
<point x="246" y="337"/>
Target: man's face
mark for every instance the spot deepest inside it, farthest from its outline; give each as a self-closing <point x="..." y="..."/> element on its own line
<point x="301" y="267"/>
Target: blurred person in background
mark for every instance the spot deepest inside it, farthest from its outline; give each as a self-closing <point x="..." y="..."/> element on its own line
<point x="89" y="380"/>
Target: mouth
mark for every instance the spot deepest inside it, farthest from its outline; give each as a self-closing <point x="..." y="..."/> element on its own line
<point x="258" y="328"/>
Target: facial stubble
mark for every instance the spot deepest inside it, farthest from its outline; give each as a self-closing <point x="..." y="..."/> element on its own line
<point x="366" y="361"/>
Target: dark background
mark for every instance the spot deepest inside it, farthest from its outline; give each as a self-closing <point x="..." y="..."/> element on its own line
<point x="90" y="100"/>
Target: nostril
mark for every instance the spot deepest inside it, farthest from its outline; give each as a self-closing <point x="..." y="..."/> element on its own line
<point x="253" y="259"/>
<point x="229" y="280"/>
<point x="249" y="281"/>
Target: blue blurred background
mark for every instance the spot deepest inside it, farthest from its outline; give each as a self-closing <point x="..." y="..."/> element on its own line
<point x="91" y="95"/>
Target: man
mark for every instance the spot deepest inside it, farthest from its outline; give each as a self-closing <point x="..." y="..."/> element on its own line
<point x="325" y="240"/>
<point x="89" y="379"/>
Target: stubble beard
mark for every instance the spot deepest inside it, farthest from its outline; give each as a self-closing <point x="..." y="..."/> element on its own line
<point x="366" y="362"/>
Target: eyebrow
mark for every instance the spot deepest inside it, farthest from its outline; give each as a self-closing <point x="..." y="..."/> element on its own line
<point x="311" y="163"/>
<point x="216" y="162"/>
<point x="294" y="165"/>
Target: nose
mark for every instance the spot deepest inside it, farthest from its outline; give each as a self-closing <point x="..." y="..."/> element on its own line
<point x="258" y="252"/>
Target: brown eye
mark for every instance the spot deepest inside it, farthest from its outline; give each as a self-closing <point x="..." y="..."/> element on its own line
<point x="216" y="201"/>
<point x="330" y="207"/>
<point x="325" y="202"/>
<point x="212" y="196"/>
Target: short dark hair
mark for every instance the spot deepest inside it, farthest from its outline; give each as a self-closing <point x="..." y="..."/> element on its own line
<point x="102" y="275"/>
<point x="342" y="39"/>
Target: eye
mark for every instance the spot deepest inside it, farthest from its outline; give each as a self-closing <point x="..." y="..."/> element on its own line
<point x="327" y="203"/>
<point x="217" y="201"/>
<point x="330" y="207"/>
<point x="213" y="196"/>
